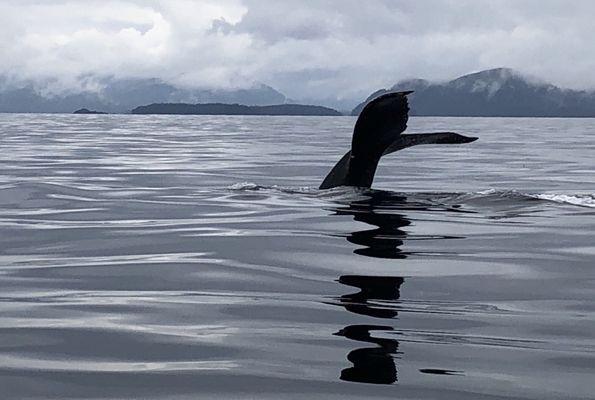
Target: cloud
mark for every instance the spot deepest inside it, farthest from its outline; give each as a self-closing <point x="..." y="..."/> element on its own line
<point x="307" y="49"/>
<point x="63" y="41"/>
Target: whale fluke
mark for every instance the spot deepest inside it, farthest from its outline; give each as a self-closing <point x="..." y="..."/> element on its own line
<point x="378" y="132"/>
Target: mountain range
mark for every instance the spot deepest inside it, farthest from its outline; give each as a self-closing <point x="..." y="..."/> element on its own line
<point x="122" y="95"/>
<point x="500" y="92"/>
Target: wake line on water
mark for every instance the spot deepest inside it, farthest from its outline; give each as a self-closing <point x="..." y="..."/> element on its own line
<point x="584" y="200"/>
<point x="577" y="199"/>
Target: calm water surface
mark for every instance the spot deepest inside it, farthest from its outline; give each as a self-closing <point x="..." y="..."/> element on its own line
<point x="193" y="257"/>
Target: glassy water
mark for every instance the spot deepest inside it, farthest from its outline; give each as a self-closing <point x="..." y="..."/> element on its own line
<point x="180" y="257"/>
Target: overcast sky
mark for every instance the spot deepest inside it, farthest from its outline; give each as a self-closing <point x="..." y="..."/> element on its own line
<point x="306" y="49"/>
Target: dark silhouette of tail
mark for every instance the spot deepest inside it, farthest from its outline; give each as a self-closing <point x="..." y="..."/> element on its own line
<point x="377" y="132"/>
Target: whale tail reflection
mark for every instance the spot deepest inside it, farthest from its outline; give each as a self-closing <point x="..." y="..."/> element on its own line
<point x="377" y="296"/>
<point x="370" y="364"/>
<point x="371" y="288"/>
<point x="386" y="238"/>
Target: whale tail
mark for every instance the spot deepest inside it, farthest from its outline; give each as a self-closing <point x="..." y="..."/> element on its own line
<point x="338" y="176"/>
<point x="378" y="132"/>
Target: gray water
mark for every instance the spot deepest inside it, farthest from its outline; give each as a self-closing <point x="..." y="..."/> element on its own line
<point x="181" y="257"/>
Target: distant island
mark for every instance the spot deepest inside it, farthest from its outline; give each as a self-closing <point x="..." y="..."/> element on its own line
<point x="500" y="92"/>
<point x="235" y="109"/>
<point x="86" y="111"/>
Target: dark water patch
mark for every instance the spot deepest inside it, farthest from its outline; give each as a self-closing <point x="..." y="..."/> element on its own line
<point x="437" y="371"/>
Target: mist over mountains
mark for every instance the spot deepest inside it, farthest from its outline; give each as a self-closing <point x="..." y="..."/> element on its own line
<point x="500" y="92"/>
<point x="121" y="96"/>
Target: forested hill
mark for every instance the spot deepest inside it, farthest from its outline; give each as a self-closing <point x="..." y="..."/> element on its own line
<point x="233" y="109"/>
<point x="500" y="92"/>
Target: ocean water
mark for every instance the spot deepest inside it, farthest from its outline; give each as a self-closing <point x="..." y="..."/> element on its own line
<point x="183" y="257"/>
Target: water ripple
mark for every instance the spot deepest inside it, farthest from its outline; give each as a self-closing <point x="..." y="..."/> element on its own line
<point x="182" y="257"/>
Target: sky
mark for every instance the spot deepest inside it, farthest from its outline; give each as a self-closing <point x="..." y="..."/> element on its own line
<point x="306" y="49"/>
